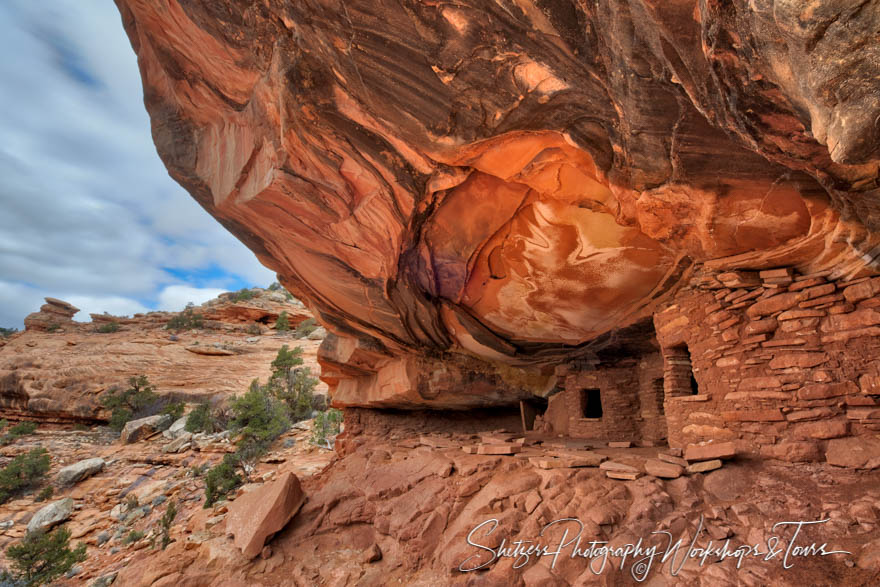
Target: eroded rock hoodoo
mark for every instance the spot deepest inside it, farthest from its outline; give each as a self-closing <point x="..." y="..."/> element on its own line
<point x="656" y="219"/>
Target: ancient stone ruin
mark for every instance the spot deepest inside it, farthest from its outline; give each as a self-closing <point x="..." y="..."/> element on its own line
<point x="777" y="361"/>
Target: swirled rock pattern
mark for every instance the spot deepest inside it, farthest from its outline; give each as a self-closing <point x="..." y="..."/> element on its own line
<point x="499" y="185"/>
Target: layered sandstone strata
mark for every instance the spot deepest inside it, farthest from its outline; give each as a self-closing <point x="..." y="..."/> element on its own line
<point x="501" y="187"/>
<point x="59" y="375"/>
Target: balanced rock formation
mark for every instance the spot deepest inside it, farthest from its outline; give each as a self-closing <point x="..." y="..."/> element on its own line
<point x="53" y="315"/>
<point x="504" y="186"/>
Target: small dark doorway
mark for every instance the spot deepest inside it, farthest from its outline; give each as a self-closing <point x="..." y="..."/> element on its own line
<point x="530" y="409"/>
<point x="680" y="380"/>
<point x="591" y="403"/>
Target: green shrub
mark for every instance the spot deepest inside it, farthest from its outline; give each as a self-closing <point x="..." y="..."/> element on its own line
<point x="247" y="455"/>
<point x="23" y="428"/>
<point x="258" y="415"/>
<point x="254" y="329"/>
<point x="224" y="477"/>
<point x="23" y="472"/>
<point x="282" y="324"/>
<point x="305" y="328"/>
<point x="4" y="423"/>
<point x="274" y="286"/>
<point x="17" y="431"/>
<point x="174" y="409"/>
<point x="7" y="332"/>
<point x="243" y="295"/>
<point x="131" y="403"/>
<point x="165" y="523"/>
<point x="53" y="327"/>
<point x="45" y="494"/>
<point x="133" y="537"/>
<point x="285" y="361"/>
<point x="326" y="424"/>
<point x="107" y="327"/>
<point x="188" y="319"/>
<point x="200" y="419"/>
<point x="221" y="480"/>
<point x="42" y="557"/>
<point x="293" y="385"/>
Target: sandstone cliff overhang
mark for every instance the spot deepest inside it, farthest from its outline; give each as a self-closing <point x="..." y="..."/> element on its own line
<point x="511" y="182"/>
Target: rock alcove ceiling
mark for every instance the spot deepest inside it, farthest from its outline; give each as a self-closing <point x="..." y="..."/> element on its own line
<point x="468" y="193"/>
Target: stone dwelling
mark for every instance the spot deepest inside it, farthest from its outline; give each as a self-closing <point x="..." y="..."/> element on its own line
<point x="777" y="361"/>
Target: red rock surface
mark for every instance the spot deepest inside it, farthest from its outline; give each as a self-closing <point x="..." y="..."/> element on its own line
<point x="499" y="184"/>
<point x="414" y="495"/>
<point x="60" y="375"/>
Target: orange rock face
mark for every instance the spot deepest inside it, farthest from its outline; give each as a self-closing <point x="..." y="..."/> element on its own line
<point x="60" y="375"/>
<point x="500" y="189"/>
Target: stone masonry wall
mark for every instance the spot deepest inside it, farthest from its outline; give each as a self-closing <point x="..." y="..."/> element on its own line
<point x="782" y="362"/>
<point x="632" y="401"/>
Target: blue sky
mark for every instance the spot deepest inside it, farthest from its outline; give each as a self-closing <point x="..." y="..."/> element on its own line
<point x="88" y="213"/>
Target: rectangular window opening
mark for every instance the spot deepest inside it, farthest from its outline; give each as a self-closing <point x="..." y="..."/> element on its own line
<point x="591" y="403"/>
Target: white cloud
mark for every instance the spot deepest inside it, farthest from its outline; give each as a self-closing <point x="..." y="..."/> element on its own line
<point x="118" y="306"/>
<point x="88" y="209"/>
<point x="175" y="297"/>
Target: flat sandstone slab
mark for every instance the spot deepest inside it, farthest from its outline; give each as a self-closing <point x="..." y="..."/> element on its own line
<point x="663" y="469"/>
<point x="704" y="466"/>
<point x="667" y="458"/>
<point x="624" y="475"/>
<point x="710" y="451"/>
<point x="617" y="467"/>
<point x="498" y="449"/>
<point x="594" y="458"/>
<point x="565" y="462"/>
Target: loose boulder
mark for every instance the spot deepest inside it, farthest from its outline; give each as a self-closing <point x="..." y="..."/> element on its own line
<point x="77" y="472"/>
<point x="258" y="514"/>
<point x="318" y="333"/>
<point x="178" y="444"/>
<point x="176" y="429"/>
<point x="137" y="429"/>
<point x="51" y="515"/>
